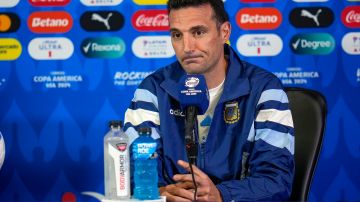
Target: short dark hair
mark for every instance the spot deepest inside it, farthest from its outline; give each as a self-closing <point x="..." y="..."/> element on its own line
<point x="220" y="13"/>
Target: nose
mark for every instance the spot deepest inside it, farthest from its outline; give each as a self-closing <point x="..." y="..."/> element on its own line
<point x="189" y="43"/>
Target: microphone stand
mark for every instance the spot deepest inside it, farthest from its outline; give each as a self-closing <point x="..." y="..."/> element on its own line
<point x="190" y="143"/>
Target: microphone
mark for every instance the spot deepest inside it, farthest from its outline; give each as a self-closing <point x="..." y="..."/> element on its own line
<point x="194" y="100"/>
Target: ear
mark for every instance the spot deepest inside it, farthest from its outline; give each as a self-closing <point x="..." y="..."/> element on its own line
<point x="225" y="31"/>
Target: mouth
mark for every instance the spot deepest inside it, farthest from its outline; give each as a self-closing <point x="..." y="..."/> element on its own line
<point x="190" y="59"/>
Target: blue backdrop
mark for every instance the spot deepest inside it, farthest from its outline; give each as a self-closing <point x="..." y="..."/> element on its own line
<point x="61" y="81"/>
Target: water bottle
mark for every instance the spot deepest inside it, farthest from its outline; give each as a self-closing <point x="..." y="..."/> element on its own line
<point x="145" y="171"/>
<point x="116" y="163"/>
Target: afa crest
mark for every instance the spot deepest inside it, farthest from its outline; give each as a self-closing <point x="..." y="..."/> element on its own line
<point x="231" y="112"/>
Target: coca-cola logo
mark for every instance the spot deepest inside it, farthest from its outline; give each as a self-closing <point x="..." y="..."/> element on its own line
<point x="150" y="20"/>
<point x="350" y="16"/>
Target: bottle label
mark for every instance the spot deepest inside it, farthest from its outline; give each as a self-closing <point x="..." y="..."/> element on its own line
<point x="145" y="151"/>
<point x="122" y="175"/>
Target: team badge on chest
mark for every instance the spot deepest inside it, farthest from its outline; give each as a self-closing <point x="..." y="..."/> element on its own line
<point x="231" y="112"/>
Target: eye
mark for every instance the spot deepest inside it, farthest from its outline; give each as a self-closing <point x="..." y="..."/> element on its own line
<point x="199" y="33"/>
<point x="175" y="35"/>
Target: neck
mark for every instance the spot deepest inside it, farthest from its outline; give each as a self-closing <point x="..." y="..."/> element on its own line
<point x="214" y="78"/>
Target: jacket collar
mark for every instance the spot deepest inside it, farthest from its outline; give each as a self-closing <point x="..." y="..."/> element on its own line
<point x="236" y="83"/>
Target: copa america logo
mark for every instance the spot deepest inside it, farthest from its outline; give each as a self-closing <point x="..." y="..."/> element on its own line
<point x="192" y="82"/>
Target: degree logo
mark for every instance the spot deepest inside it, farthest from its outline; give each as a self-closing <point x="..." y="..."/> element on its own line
<point x="49" y="2"/>
<point x="150" y="2"/>
<point x="258" y="18"/>
<point x="105" y="47"/>
<point x="10" y="49"/>
<point x="50" y="22"/>
<point x="9" y="22"/>
<point x="313" y="44"/>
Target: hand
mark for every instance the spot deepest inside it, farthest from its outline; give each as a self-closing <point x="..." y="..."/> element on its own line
<point x="181" y="191"/>
<point x="206" y="189"/>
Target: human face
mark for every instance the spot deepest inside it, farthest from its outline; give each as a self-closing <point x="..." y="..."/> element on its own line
<point x="197" y="41"/>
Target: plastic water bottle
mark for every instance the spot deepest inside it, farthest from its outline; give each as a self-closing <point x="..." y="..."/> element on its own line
<point x="145" y="174"/>
<point x="116" y="163"/>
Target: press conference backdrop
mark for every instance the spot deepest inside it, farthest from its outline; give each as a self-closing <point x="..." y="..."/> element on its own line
<point x="68" y="67"/>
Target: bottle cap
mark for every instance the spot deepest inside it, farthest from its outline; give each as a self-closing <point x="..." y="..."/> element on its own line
<point x="144" y="131"/>
<point x="115" y="124"/>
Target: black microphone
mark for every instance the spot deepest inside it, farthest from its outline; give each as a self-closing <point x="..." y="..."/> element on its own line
<point x="194" y="100"/>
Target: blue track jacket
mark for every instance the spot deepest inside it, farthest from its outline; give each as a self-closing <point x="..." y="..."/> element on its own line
<point x="249" y="150"/>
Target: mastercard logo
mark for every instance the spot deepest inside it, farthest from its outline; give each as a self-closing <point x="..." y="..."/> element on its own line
<point x="259" y="18"/>
<point x="10" y="49"/>
<point x="9" y="22"/>
<point x="50" y="22"/>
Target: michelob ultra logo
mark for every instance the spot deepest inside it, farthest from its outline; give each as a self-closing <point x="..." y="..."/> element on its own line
<point x="50" y="48"/>
<point x="259" y="45"/>
<point x="50" y="22"/>
<point x="101" y="2"/>
<point x="150" y="2"/>
<point x="258" y="18"/>
<point x="313" y="44"/>
<point x="10" y="49"/>
<point x="9" y="22"/>
<point x="8" y="3"/>
<point x="351" y="43"/>
<point x="105" y="47"/>
<point x="49" y="2"/>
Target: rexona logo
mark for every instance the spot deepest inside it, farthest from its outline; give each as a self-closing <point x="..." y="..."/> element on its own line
<point x="301" y="1"/>
<point x="259" y="45"/>
<point x="101" y="2"/>
<point x="8" y="3"/>
<point x="102" y="21"/>
<point x="153" y="47"/>
<point x="50" y="22"/>
<point x="104" y="47"/>
<point x="150" y="2"/>
<point x="258" y="18"/>
<point x="49" y="2"/>
<point x="10" y="49"/>
<point x="9" y="22"/>
<point x="351" y="43"/>
<point x="150" y="20"/>
<point x="306" y="17"/>
<point x="350" y="16"/>
<point x="313" y="44"/>
<point x="50" y="48"/>
<point x="257" y="1"/>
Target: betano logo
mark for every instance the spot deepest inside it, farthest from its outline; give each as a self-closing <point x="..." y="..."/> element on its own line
<point x="258" y="18"/>
<point x="50" y="48"/>
<point x="350" y="16"/>
<point x="150" y="20"/>
<point x="8" y="3"/>
<point x="104" y="47"/>
<point x="50" y="22"/>
<point x="259" y="45"/>
<point x="49" y="2"/>
<point x="150" y="2"/>
<point x="351" y="43"/>
<point x="10" y="49"/>
<point x="153" y="47"/>
<point x="313" y="44"/>
<point x="9" y="22"/>
<point x="101" y="2"/>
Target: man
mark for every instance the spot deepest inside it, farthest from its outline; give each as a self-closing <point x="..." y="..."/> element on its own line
<point x="246" y="141"/>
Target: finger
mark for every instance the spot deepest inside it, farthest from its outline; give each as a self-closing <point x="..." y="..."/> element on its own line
<point x="186" y="166"/>
<point x="185" y="178"/>
<point x="185" y="185"/>
<point x="177" y="191"/>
